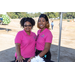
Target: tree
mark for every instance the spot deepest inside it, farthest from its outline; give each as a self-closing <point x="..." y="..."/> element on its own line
<point x="15" y="15"/>
<point x="6" y="19"/>
<point x="52" y="14"/>
<point x="37" y="14"/>
<point x="69" y="15"/>
<point x="22" y="14"/>
<point x="12" y="15"/>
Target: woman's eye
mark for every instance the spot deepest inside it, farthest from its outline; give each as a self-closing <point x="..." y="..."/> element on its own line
<point x="43" y="21"/>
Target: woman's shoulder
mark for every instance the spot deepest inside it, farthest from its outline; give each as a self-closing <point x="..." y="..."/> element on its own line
<point x="48" y="31"/>
<point x="19" y="34"/>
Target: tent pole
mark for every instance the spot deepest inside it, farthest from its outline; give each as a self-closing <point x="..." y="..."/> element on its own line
<point x="60" y="36"/>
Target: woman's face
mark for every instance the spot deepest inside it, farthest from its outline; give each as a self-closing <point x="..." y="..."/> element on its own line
<point x="27" y="26"/>
<point x="42" y="23"/>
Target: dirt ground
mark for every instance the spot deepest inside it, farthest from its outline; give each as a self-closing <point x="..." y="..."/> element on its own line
<point x="67" y="48"/>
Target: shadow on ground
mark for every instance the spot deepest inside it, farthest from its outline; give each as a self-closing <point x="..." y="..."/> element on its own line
<point x="5" y="29"/>
<point x="66" y="54"/>
<point x="7" y="55"/>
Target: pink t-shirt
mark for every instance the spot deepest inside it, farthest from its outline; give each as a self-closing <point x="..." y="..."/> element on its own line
<point x="43" y="37"/>
<point x="27" y="43"/>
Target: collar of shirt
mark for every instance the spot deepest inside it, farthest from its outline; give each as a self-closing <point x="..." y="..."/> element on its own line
<point x="26" y="33"/>
<point x="43" y="30"/>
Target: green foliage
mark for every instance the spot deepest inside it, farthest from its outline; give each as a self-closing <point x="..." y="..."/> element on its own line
<point x="0" y="15"/>
<point x="52" y="14"/>
<point x="6" y="19"/>
<point x="34" y="14"/>
<point x="69" y="15"/>
<point x="14" y="15"/>
<point x="21" y="14"/>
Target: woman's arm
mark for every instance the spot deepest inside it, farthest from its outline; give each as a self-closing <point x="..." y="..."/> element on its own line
<point x="19" y="57"/>
<point x="46" y="49"/>
<point x="18" y="49"/>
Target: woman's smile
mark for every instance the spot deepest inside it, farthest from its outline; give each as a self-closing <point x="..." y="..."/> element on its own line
<point x="41" y="25"/>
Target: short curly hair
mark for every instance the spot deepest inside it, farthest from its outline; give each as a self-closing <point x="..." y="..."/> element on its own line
<point x="23" y="20"/>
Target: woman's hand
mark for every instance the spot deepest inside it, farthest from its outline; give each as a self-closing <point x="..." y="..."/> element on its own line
<point x="30" y="59"/>
<point x="20" y="59"/>
<point x="46" y="49"/>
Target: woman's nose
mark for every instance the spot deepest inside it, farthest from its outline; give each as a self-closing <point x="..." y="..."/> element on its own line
<point x="41" y="22"/>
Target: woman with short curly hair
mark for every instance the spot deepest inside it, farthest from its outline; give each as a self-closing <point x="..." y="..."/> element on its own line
<point x="25" y="41"/>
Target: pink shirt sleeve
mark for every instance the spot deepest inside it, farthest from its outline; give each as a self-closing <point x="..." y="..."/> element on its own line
<point x="49" y="38"/>
<point x="18" y="38"/>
